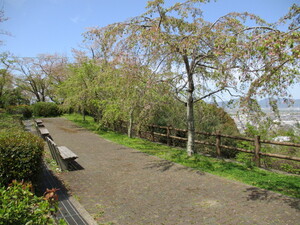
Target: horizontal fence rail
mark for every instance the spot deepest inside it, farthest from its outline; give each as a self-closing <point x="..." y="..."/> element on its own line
<point x="218" y="136"/>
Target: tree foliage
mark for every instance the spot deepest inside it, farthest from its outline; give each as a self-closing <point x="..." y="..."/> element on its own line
<point x="199" y="58"/>
<point x="6" y="78"/>
<point x="40" y="76"/>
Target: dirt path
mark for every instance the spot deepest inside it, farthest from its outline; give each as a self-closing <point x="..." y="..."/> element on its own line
<point x="119" y="185"/>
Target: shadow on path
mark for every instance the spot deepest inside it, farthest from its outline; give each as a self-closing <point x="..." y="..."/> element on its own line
<point x="74" y="166"/>
<point x="257" y="194"/>
<point x="165" y="165"/>
<point x="162" y="165"/>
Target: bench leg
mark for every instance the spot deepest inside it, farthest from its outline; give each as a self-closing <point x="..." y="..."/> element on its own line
<point x="52" y="151"/>
<point x="58" y="160"/>
<point x="64" y="165"/>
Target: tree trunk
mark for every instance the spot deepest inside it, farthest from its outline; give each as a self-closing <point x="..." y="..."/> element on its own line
<point x="43" y="98"/>
<point x="38" y="99"/>
<point x="130" y="124"/>
<point x="190" y="125"/>
<point x="98" y="116"/>
<point x="83" y="114"/>
<point x="190" y="109"/>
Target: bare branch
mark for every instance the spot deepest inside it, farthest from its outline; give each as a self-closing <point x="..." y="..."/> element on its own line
<point x="210" y="94"/>
<point x="206" y="66"/>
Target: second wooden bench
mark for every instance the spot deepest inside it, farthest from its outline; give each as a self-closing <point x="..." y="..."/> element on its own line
<point x="62" y="155"/>
<point x="41" y="129"/>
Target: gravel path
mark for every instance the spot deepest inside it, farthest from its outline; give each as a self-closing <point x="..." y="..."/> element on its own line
<point x="119" y="185"/>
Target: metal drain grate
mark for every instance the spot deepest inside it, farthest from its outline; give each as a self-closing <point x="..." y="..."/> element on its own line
<point x="67" y="211"/>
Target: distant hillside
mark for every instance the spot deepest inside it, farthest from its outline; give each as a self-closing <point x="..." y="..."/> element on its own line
<point x="264" y="103"/>
<point x="281" y="105"/>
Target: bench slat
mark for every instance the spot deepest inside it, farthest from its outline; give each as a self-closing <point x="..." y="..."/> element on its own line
<point x="51" y="142"/>
<point x="38" y="121"/>
<point x="66" y="153"/>
<point x="43" y="131"/>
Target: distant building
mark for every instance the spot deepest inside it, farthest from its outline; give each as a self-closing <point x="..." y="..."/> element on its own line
<point x="282" y="138"/>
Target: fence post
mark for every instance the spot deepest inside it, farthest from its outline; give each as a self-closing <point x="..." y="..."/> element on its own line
<point x="257" y="150"/>
<point x="218" y="143"/>
<point x="168" y="135"/>
<point x="152" y="133"/>
<point x="174" y="140"/>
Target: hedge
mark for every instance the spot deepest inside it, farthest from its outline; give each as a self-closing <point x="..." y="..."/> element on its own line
<point x="20" y="156"/>
<point x="24" y="110"/>
<point x="46" y="109"/>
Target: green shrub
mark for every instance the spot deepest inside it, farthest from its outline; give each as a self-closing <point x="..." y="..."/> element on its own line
<point x="8" y="122"/>
<point x="23" y="110"/>
<point x="27" y="112"/>
<point x="20" y="156"/>
<point x="290" y="167"/>
<point x="19" y="206"/>
<point x="245" y="158"/>
<point x="46" y="109"/>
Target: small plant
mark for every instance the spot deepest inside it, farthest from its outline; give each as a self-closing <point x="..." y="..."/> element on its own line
<point x="107" y="223"/>
<point x="51" y="162"/>
<point x="52" y="197"/>
<point x="100" y="213"/>
<point x="289" y="168"/>
<point x="245" y="158"/>
<point x="18" y="205"/>
<point x="76" y="197"/>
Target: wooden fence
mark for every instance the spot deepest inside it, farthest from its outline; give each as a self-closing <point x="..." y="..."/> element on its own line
<point x="218" y="142"/>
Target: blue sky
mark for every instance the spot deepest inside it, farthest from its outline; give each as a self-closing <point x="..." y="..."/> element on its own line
<point x="56" y="26"/>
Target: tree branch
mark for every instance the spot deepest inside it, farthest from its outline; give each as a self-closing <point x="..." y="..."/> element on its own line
<point x="260" y="27"/>
<point x="257" y="83"/>
<point x="207" y="66"/>
<point x="210" y="94"/>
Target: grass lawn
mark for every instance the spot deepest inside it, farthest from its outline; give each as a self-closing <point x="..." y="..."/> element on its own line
<point x="284" y="184"/>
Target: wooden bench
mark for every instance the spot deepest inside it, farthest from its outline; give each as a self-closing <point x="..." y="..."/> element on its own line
<point x="39" y="122"/>
<point x="66" y="153"/>
<point x="41" y="130"/>
<point x="61" y="154"/>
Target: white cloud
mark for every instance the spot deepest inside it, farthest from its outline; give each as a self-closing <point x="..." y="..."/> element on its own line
<point x="74" y="19"/>
<point x="77" y="19"/>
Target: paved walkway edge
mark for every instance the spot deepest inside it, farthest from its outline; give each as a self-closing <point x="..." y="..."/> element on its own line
<point x="88" y="218"/>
